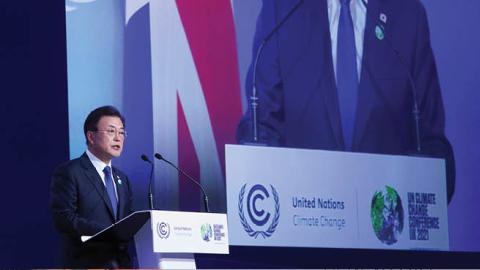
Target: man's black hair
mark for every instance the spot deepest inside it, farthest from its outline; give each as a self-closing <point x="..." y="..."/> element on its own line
<point x="94" y="117"/>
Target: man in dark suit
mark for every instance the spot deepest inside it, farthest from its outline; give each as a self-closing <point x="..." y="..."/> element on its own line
<point x="305" y="99"/>
<point x="88" y="195"/>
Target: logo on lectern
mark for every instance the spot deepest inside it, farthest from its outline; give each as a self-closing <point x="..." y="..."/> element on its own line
<point x="263" y="210"/>
<point x="206" y="232"/>
<point x="387" y="215"/>
<point x="163" y="230"/>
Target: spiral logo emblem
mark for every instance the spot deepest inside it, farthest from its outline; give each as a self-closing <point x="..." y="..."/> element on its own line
<point x="257" y="215"/>
<point x="163" y="230"/>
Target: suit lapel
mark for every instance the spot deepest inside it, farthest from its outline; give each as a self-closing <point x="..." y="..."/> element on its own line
<point x="326" y="73"/>
<point x="94" y="178"/>
<point x="365" y="95"/>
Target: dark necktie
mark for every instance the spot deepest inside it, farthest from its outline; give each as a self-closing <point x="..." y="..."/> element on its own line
<point x="347" y="79"/>
<point x="110" y="189"/>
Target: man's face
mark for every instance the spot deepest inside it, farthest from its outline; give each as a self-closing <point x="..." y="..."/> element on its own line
<point x="107" y="142"/>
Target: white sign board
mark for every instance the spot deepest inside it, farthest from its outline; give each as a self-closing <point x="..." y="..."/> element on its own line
<point x="314" y="198"/>
<point x="188" y="232"/>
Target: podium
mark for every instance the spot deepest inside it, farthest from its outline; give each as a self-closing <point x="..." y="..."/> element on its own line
<point x="285" y="197"/>
<point x="168" y="239"/>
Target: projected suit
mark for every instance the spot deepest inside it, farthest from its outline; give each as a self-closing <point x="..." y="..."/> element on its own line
<point x="298" y="103"/>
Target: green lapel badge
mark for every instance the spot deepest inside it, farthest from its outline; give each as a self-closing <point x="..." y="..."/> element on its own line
<point x="379" y="32"/>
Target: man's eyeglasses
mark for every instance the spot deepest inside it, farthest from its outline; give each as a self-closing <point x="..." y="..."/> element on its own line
<point x="111" y="132"/>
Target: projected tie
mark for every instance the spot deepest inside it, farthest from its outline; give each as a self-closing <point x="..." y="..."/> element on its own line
<point x="347" y="80"/>
<point x="110" y="189"/>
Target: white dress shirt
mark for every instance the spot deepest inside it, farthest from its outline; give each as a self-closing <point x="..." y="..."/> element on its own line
<point x="99" y="166"/>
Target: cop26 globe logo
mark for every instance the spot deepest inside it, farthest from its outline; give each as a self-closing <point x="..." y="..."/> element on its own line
<point x="206" y="232"/>
<point x="263" y="210"/>
<point x="387" y="215"/>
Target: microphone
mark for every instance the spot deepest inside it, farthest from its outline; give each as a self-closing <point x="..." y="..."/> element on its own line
<point x="150" y="194"/>
<point x="254" y="97"/>
<point x="415" y="111"/>
<point x="205" y="198"/>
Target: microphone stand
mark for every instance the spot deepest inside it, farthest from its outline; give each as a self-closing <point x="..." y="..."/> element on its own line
<point x="205" y="197"/>
<point x="150" y="193"/>
<point x="254" y="97"/>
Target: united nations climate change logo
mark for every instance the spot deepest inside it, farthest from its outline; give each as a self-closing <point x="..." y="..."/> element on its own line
<point x="163" y="230"/>
<point x="387" y="215"/>
<point x="206" y="232"/>
<point x="259" y="199"/>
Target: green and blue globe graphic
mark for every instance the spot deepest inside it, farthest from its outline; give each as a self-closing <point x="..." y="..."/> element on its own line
<point x="387" y="215"/>
<point x="206" y="232"/>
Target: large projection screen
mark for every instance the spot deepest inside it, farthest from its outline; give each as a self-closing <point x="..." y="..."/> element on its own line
<point x="177" y="71"/>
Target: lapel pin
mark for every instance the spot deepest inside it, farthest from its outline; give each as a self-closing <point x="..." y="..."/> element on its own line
<point x="383" y="18"/>
<point x="379" y="32"/>
<point x="119" y="181"/>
